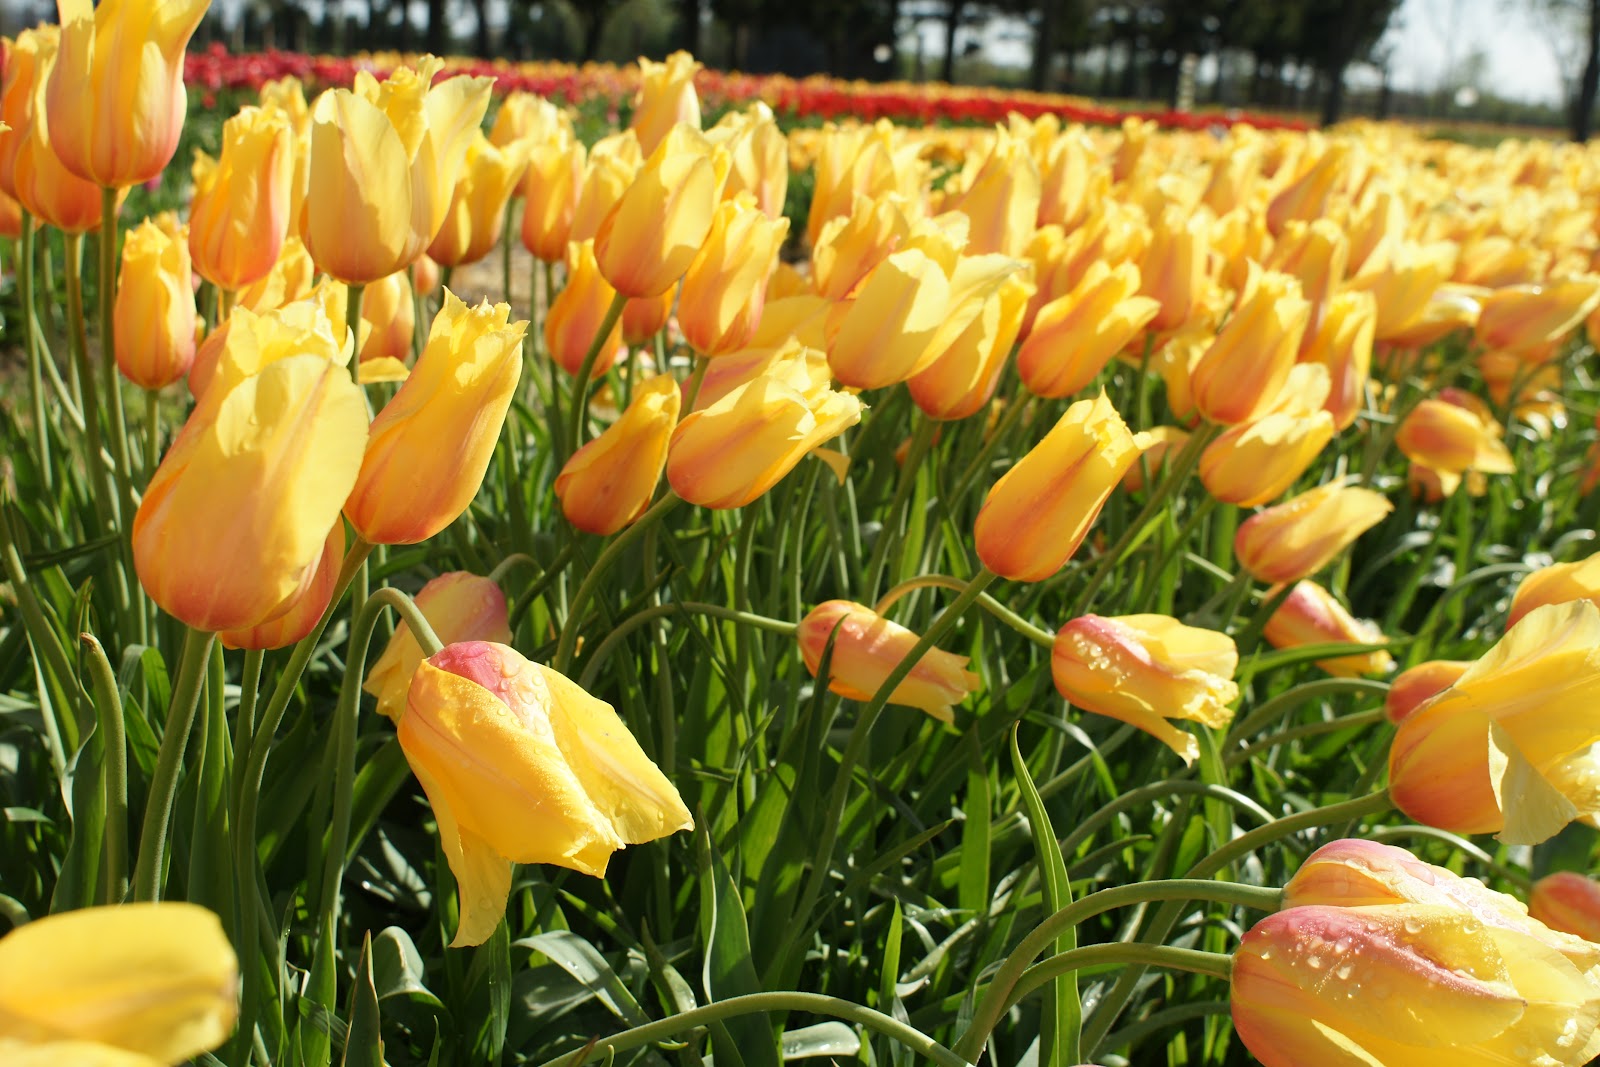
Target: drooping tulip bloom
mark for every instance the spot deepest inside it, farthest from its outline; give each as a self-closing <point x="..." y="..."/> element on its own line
<point x="240" y="214"/>
<point x="477" y="212"/>
<point x="656" y="227"/>
<point x="390" y="313"/>
<point x="868" y="647"/>
<point x="1569" y="902"/>
<point x="235" y="517"/>
<point x="133" y="985"/>
<point x="431" y="443"/>
<point x="154" y="313"/>
<point x="1256" y="462"/>
<point x="962" y="380"/>
<point x="550" y="187"/>
<point x="1452" y="440"/>
<point x="117" y="99"/>
<point x="1076" y="335"/>
<point x="1148" y="670"/>
<point x="666" y="97"/>
<point x="1302" y="535"/>
<point x="729" y="453"/>
<point x="724" y="289"/>
<point x="1246" y="366"/>
<point x="577" y="312"/>
<point x="1518" y="318"/>
<point x="1310" y="615"/>
<point x="521" y="765"/>
<point x="1343" y="344"/>
<point x="385" y="159"/>
<point x="459" y="606"/>
<point x="42" y="183"/>
<point x="1556" y="584"/>
<point x="1510" y="747"/>
<point x="609" y="481"/>
<point x="1415" y="686"/>
<point x="296" y="618"/>
<point x="884" y="333"/>
<point x="1038" y="513"/>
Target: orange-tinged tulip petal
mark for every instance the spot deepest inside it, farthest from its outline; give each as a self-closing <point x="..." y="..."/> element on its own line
<point x="289" y="279"/>
<point x="1343" y="344"/>
<point x="884" y="333"/>
<point x="527" y="116"/>
<point x="247" y="342"/>
<point x="1310" y="615"/>
<point x="1303" y="534"/>
<point x="1076" y="335"/>
<point x="962" y="380"/>
<point x="758" y="157"/>
<point x="576" y="313"/>
<point x="1147" y="670"/>
<point x="550" y="188"/>
<point x="1556" y="584"/>
<point x="1037" y="514"/>
<point x="459" y="606"/>
<point x="1247" y="365"/>
<point x="1174" y="271"/>
<point x="609" y="481"/>
<point x="523" y="766"/>
<point x="868" y="647"/>
<point x="1404" y="283"/>
<point x="154" y="312"/>
<point x="1257" y="461"/>
<point x="389" y="312"/>
<point x="1519" y="317"/>
<point x="645" y="316"/>
<point x="655" y="229"/>
<point x="42" y="182"/>
<point x="666" y="97"/>
<point x="477" y="213"/>
<point x="1569" y="902"/>
<point x="1159" y="447"/>
<point x="431" y="444"/>
<point x="724" y="289"/>
<point x="240" y="214"/>
<point x="608" y="171"/>
<point x="1417" y="685"/>
<point x="299" y="615"/>
<point x="1452" y="438"/>
<point x="1001" y="198"/>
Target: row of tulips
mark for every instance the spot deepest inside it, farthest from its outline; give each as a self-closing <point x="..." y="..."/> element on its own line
<point x="1370" y="338"/>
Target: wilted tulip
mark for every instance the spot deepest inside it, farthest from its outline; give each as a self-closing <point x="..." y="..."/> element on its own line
<point x="1257" y="461"/>
<point x="1452" y="440"/>
<point x="390" y="313"/>
<point x="123" y="986"/>
<point x="1569" y="902"/>
<point x="299" y="615"/>
<point x="1148" y="670"/>
<point x="459" y="606"/>
<point x="1556" y="584"/>
<point x="477" y="211"/>
<point x="154" y="311"/>
<point x="385" y="159"/>
<point x="431" y="443"/>
<point x="523" y="766"/>
<point x="609" y="481"/>
<point x="962" y="379"/>
<point x="1302" y="535"/>
<point x="655" y="229"/>
<point x="666" y="97"/>
<point x="883" y="334"/>
<point x="774" y="419"/>
<point x="1310" y="615"/>
<point x="1037" y="514"/>
<point x="1076" y="335"/>
<point x="577" y="312"/>
<point x="1343" y="344"/>
<point x="724" y="289"/>
<point x="1246" y="366"/>
<point x="117" y="97"/>
<point x="1414" y="686"/>
<point x="868" y="647"/>
<point x="550" y="187"/>
<point x="240" y="214"/>
<point x="1509" y="748"/>
<point x="1522" y="317"/>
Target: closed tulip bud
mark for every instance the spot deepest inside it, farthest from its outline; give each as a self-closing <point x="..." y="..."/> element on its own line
<point x="431" y="443"/>
<point x="1175" y="361"/>
<point x="1076" y="335"/>
<point x="1452" y="440"/>
<point x="644" y="317"/>
<point x="609" y="481"/>
<point x="477" y="213"/>
<point x="1001" y="198"/>
<point x="1417" y="685"/>
<point x="1556" y="584"/>
<point x="868" y="647"/>
<point x="1257" y="461"/>
<point x="774" y="420"/>
<point x="19" y="65"/>
<point x="609" y="171"/>
<point x="240" y="213"/>
<point x="1455" y="988"/>
<point x="527" y="117"/>
<point x="1569" y="902"/>
<point x="849" y="246"/>
<point x="389" y="311"/>
<point x="1521" y="317"/>
<point x="758" y="157"/>
<point x="298" y="616"/>
<point x="666" y="97"/>
<point x="962" y="380"/>
<point x="1038" y="513"/>
<point x="459" y="606"/>
<point x="1174" y="271"/>
<point x="1069" y="181"/>
<point x="577" y="312"/>
<point x="1246" y="366"/>
<point x="724" y="289"/>
<point x="1316" y="254"/>
<point x="656" y="227"/>
<point x="235" y="518"/>
<point x="1306" y="196"/>
<point x="123" y="986"/>
<point x="1311" y="616"/>
<point x="1148" y="670"/>
<point x="884" y="333"/>
<point x="154" y="312"/>
<point x="385" y="159"/>
<point x="550" y="189"/>
<point x="521" y="765"/>
<point x="1404" y="282"/>
<point x="42" y="183"/>
<point x="1160" y="446"/>
<point x="1509" y="748"/>
<point x="1343" y="344"/>
<point x="1303" y="534"/>
<point x="851" y="162"/>
<point x="117" y="97"/>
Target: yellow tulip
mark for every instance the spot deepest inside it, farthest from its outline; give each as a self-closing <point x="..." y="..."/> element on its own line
<point x="883" y="334"/>
<point x="550" y="188"/>
<point x="608" y="482"/>
<point x="1174" y="271"/>
<point x="758" y="157"/>
<point x="522" y="766"/>
<point x="1305" y="196"/>
<point x="1343" y="344"/>
<point x="1556" y="584"/>
<point x="247" y="342"/>
<point x="1303" y="534"/>
<point x="1147" y="670"/>
<point x="1569" y="902"/>
<point x="1310" y="615"/>
<point x="1001" y="197"/>
<point x="431" y="443"/>
<point x="528" y="117"/>
<point x="608" y="171"/>
<point x="577" y="312"/>
<point x="1037" y="514"/>
<point x="299" y="615"/>
<point x="724" y="288"/>
<point x="666" y="97"/>
<point x="154" y="313"/>
<point x="1257" y="461"/>
<point x="389" y="313"/>
<point x="1403" y="283"/>
<point x="1452" y="440"/>
<point x="962" y="379"/>
<point x="1077" y="334"/>
<point x="477" y="211"/>
<point x="385" y="159"/>
<point x="1159" y="446"/>
<point x="117" y="98"/>
<point x="656" y="227"/>
<point x="42" y="182"/>
<point x="1315" y="253"/>
<point x="240" y="214"/>
<point x="290" y="279"/>
<point x="459" y="606"/>
<point x="850" y="245"/>
<point x="644" y="317"/>
<point x="1521" y="317"/>
<point x="868" y="647"/>
<point x="1414" y="686"/>
<point x="1069" y="182"/>
<point x="1246" y="366"/>
<point x="135" y="985"/>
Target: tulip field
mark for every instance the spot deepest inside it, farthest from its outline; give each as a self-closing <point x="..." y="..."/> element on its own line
<point x="641" y="574"/>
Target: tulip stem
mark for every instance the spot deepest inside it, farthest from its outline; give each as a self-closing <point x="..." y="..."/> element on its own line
<point x="893" y="527"/>
<point x="592" y="665"/>
<point x="352" y="318"/>
<point x="147" y="873"/>
<point x="1014" y="979"/>
<point x="108" y="363"/>
<point x="1014" y="409"/>
<point x="1176" y="476"/>
<point x="1300" y="696"/>
<point x="77" y="343"/>
<point x="697" y="379"/>
<point x="113" y="769"/>
<point x="580" y="384"/>
<point x="35" y="351"/>
<point x="152" y="433"/>
<point x="1040" y="637"/>
<point x="1310" y="729"/>
<point x="754" y="1003"/>
<point x="591" y="581"/>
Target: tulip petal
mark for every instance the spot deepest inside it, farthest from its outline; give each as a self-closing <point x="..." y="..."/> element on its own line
<point x="483" y="876"/>
<point x="1534" y="809"/>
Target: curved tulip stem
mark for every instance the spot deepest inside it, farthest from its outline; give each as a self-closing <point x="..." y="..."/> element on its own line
<point x="505" y="566"/>
<point x="1310" y="729"/>
<point x="169" y="762"/>
<point x="591" y="581"/>
<point x="1042" y="638"/>
<point x="1216" y="964"/>
<point x="580" y="384"/>
<point x="352" y="318"/>
<point x="597" y="658"/>
<point x="754" y="1003"/>
<point x="1300" y="696"/>
<point x="113" y="770"/>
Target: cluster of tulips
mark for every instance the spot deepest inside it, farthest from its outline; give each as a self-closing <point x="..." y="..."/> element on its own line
<point x="1278" y="313"/>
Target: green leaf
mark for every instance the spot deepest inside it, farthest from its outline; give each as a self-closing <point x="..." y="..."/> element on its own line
<point x="973" y="895"/>
<point x="823" y="1039"/>
<point x="1063" y="1014"/>
<point x="580" y="959"/>
<point x="363" y="1046"/>
<point x="729" y="969"/>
